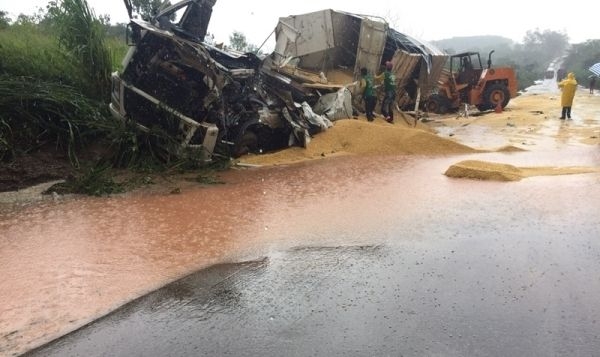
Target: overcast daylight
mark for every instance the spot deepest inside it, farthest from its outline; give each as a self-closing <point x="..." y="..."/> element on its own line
<point x="299" y="178"/>
<point x="465" y="18"/>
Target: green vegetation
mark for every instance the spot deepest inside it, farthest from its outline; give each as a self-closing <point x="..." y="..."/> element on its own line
<point x="238" y="42"/>
<point x="37" y="112"/>
<point x="4" y="20"/>
<point x="27" y="50"/>
<point x="581" y="57"/>
<point x="54" y="79"/>
<point x="147" y="8"/>
<point x="55" y="69"/>
<point x="538" y="51"/>
<point x="81" y="35"/>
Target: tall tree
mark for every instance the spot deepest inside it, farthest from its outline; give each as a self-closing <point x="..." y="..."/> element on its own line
<point x="4" y="20"/>
<point x="581" y="57"/>
<point x="147" y="8"/>
<point x="237" y="41"/>
<point x="547" y="44"/>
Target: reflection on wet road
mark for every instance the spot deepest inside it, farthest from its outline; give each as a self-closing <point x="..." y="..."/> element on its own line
<point x="478" y="288"/>
<point x="417" y="264"/>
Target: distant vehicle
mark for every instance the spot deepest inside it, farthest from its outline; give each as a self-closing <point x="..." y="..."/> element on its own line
<point x="467" y="82"/>
<point x="561" y="73"/>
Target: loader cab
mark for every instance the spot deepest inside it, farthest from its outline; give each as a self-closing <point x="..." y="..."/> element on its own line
<point x="466" y="67"/>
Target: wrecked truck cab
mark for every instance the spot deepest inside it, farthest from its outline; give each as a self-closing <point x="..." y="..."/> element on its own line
<point x="213" y="103"/>
<point x="170" y="83"/>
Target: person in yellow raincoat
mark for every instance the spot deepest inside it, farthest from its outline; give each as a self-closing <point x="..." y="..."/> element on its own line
<point x="568" y="87"/>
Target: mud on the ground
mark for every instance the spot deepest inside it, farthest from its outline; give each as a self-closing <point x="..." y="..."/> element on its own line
<point x="34" y="168"/>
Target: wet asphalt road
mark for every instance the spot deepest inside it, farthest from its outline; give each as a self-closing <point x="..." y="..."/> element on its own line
<point x="515" y="273"/>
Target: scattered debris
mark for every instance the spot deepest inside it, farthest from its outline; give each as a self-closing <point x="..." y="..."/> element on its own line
<point x="221" y="103"/>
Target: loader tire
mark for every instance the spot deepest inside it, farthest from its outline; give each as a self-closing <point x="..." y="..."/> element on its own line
<point x="437" y="104"/>
<point x="495" y="94"/>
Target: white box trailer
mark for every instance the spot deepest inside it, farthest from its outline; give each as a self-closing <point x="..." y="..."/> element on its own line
<point x="329" y="40"/>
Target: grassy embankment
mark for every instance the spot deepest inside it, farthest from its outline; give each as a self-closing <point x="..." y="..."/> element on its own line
<point x="54" y="93"/>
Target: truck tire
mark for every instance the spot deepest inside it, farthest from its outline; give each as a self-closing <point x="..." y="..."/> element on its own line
<point x="246" y="143"/>
<point x="495" y="94"/>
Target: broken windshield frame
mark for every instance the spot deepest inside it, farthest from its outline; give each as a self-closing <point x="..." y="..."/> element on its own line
<point x="189" y="18"/>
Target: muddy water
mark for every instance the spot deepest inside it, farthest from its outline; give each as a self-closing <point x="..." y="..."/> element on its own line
<point x="66" y="262"/>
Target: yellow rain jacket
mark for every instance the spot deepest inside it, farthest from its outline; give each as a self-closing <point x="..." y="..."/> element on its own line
<point x="568" y="87"/>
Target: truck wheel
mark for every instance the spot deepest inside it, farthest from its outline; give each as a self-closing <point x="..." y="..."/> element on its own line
<point x="247" y="143"/>
<point x="437" y="104"/>
<point x="496" y="94"/>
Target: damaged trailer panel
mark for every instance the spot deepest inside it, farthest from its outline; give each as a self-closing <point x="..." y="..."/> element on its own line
<point x="328" y="40"/>
<point x="417" y="65"/>
<point x="371" y="42"/>
<point x="331" y="41"/>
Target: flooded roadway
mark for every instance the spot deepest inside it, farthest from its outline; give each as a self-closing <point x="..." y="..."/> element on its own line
<point x="347" y="256"/>
<point x="360" y="254"/>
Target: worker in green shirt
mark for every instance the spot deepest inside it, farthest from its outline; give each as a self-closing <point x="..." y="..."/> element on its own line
<point x="368" y="93"/>
<point x="389" y="86"/>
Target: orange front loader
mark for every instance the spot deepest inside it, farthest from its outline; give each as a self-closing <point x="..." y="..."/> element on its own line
<point x="467" y="82"/>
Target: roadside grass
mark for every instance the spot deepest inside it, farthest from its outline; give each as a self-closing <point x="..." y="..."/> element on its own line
<point x="82" y="36"/>
<point x="54" y="90"/>
<point x="36" y="112"/>
<point x="27" y="51"/>
<point x="54" y="81"/>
